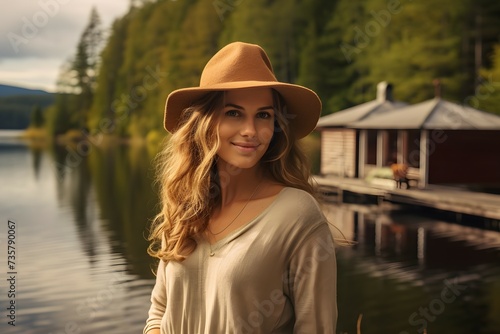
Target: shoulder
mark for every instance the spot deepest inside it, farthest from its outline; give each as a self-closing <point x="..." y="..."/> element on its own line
<point x="296" y="218"/>
<point x="298" y="200"/>
<point x="298" y="209"/>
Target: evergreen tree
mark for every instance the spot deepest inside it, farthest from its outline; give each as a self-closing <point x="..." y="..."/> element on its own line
<point x="37" y="118"/>
<point x="63" y="115"/>
<point x="246" y="22"/>
<point x="102" y="114"/>
<point x="85" y="65"/>
<point x="59" y="116"/>
<point x="308" y="41"/>
<point x="199" y="35"/>
<point x="338" y="48"/>
<point x="479" y="37"/>
<point x="487" y="94"/>
<point x="271" y="25"/>
<point x="409" y="46"/>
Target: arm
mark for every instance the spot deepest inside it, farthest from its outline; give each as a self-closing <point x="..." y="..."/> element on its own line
<point x="158" y="302"/>
<point x="313" y="283"/>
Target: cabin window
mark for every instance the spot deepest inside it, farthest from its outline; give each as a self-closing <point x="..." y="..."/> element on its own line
<point x="413" y="153"/>
<point x="392" y="147"/>
<point x="371" y="154"/>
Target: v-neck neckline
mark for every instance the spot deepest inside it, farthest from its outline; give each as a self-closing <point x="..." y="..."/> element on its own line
<point x="234" y="234"/>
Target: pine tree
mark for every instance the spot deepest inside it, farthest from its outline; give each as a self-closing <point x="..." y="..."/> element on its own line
<point x="37" y="118"/>
<point x="409" y="47"/>
<point x="271" y="25"/>
<point x="199" y="35"/>
<point x="63" y="115"/>
<point x="338" y="49"/>
<point x="103" y="112"/>
<point x="85" y="65"/>
<point x="308" y="43"/>
<point x="479" y="37"/>
<point x="487" y="94"/>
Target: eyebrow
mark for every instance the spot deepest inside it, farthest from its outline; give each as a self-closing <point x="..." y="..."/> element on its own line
<point x="241" y="108"/>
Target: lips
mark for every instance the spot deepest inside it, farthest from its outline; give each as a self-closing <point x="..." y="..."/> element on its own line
<point x="246" y="147"/>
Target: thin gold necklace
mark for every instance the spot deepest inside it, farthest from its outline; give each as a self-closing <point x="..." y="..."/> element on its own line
<point x="212" y="252"/>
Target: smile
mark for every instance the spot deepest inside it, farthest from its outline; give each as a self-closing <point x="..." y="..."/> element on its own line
<point x="246" y="147"/>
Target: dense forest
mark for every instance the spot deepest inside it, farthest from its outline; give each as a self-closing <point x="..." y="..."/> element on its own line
<point x="118" y="81"/>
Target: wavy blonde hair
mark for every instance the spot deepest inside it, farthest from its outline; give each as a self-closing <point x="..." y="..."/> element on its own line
<point x="188" y="178"/>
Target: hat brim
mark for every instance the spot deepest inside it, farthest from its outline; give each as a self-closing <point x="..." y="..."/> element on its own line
<point x="303" y="104"/>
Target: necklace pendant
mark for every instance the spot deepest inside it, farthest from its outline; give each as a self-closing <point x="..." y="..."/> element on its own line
<point x="212" y="253"/>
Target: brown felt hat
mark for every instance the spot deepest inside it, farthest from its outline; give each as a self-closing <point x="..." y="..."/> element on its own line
<point x="243" y="65"/>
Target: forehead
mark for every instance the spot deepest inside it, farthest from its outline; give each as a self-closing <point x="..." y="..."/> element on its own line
<point x="252" y="96"/>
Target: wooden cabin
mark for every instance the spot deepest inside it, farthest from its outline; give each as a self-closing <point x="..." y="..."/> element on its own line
<point x="441" y="142"/>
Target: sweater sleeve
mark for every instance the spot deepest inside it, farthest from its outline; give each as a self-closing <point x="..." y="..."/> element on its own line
<point x="158" y="300"/>
<point x="313" y="283"/>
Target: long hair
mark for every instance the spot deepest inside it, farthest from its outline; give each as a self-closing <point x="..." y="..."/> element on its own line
<point x="189" y="182"/>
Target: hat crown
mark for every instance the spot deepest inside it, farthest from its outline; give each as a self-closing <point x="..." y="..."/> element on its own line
<point x="238" y="62"/>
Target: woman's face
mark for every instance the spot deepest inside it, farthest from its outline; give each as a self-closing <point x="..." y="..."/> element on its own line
<point x="246" y="125"/>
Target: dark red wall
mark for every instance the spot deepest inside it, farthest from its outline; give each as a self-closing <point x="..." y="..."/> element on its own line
<point x="464" y="157"/>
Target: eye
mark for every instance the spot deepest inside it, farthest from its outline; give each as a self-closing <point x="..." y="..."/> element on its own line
<point x="264" y="115"/>
<point x="232" y="113"/>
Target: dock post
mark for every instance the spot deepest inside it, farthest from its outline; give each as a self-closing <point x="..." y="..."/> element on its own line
<point x="340" y="195"/>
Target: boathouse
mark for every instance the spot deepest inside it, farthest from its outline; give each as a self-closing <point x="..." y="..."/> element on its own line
<point x="442" y="143"/>
<point x="340" y="143"/>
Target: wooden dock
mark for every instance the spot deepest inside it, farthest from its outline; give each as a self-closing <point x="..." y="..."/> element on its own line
<point x="437" y="197"/>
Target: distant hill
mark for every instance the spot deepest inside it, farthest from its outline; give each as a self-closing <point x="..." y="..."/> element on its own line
<point x="7" y="90"/>
<point x="17" y="103"/>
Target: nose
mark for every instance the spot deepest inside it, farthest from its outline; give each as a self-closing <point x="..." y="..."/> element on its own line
<point x="248" y="128"/>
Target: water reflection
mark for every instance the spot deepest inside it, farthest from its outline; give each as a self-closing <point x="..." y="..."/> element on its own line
<point x="396" y="274"/>
<point x="83" y="265"/>
<point x="111" y="188"/>
<point x="83" y="221"/>
<point x="37" y="154"/>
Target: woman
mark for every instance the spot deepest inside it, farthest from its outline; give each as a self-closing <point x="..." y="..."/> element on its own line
<point x="242" y="243"/>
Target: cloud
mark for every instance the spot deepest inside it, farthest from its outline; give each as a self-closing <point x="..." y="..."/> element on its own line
<point x="33" y="33"/>
<point x="27" y="40"/>
<point x="47" y="28"/>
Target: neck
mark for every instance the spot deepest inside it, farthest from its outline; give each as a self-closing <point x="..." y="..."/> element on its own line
<point x="238" y="184"/>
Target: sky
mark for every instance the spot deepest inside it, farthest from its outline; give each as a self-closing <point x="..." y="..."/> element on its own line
<point x="38" y="36"/>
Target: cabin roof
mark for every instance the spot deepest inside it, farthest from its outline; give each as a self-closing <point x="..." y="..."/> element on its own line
<point x="431" y="114"/>
<point x="382" y="104"/>
<point x="358" y="113"/>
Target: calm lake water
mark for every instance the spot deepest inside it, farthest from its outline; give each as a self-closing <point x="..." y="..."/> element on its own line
<point x="79" y="221"/>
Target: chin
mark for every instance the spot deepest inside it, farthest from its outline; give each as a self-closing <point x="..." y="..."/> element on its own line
<point x="245" y="165"/>
<point x="238" y="164"/>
